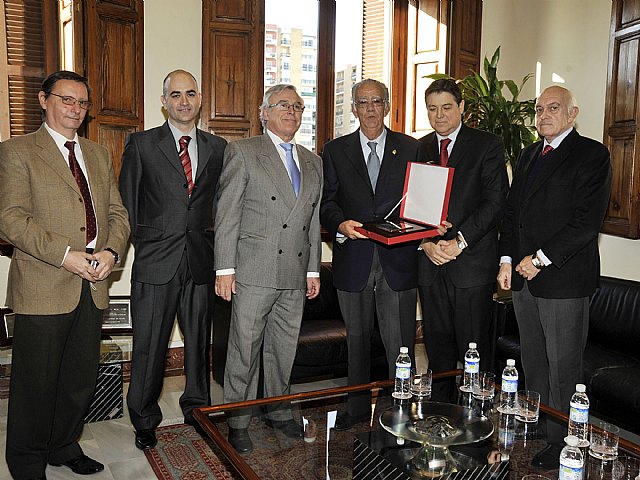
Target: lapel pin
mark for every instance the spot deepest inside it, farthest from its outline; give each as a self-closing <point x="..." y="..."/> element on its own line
<point x="393" y="151"/>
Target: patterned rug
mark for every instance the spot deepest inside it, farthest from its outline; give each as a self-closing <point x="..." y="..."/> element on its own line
<point x="182" y="454"/>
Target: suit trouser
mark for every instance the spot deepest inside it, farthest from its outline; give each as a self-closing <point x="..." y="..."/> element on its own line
<point x="453" y="317"/>
<point x="268" y="320"/>
<point x="53" y="378"/>
<point x="396" y="312"/>
<point x="553" y="335"/>
<point x="154" y="309"/>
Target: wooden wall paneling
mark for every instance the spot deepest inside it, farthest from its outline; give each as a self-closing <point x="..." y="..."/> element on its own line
<point x="398" y="87"/>
<point x="113" y="51"/>
<point x="622" y="112"/>
<point x="465" y="37"/>
<point x="326" y="73"/>
<point x="232" y="67"/>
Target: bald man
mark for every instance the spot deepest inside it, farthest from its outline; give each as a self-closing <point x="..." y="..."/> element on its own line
<point x="549" y="253"/>
<point x="168" y="183"/>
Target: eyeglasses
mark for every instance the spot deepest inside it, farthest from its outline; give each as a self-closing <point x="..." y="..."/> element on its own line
<point x="377" y="102"/>
<point x="71" y="101"/>
<point x="285" y="106"/>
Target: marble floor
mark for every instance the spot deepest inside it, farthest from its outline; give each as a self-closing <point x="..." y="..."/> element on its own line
<point x="111" y="442"/>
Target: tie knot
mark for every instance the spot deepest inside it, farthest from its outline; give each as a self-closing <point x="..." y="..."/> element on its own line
<point x="184" y="142"/>
<point x="70" y="145"/>
<point x="547" y="149"/>
<point x="444" y="143"/>
<point x="372" y="145"/>
<point x="288" y="147"/>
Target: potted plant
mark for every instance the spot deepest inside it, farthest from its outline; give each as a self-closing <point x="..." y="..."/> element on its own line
<point x="486" y="107"/>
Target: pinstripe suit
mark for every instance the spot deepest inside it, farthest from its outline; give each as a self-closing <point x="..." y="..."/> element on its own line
<point x="272" y="239"/>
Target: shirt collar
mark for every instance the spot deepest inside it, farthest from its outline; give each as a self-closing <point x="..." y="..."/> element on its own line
<point x="555" y="143"/>
<point x="58" y="137"/>
<point x="452" y="136"/>
<point x="277" y="140"/>
<point x="380" y="139"/>
<point x="178" y="134"/>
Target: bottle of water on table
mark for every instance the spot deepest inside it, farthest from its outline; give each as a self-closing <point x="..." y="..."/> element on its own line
<point x="579" y="415"/>
<point x="571" y="460"/>
<point x="471" y="368"/>
<point x="403" y="375"/>
<point x="509" y="388"/>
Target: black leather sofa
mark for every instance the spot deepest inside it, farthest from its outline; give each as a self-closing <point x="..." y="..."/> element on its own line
<point x="612" y="355"/>
<point x="322" y="345"/>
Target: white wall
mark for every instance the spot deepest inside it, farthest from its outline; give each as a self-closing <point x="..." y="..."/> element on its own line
<point x="570" y="38"/>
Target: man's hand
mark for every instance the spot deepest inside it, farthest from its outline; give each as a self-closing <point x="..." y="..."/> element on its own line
<point x="79" y="263"/>
<point x="504" y="276"/>
<point x="443" y="227"/>
<point x="450" y="247"/>
<point x="106" y="262"/>
<point x="226" y="286"/>
<point x="313" y="287"/>
<point x="347" y="228"/>
<point x="438" y="253"/>
<point x="526" y="269"/>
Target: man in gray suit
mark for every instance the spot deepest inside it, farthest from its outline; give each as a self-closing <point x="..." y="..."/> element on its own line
<point x="267" y="256"/>
<point x="168" y="184"/>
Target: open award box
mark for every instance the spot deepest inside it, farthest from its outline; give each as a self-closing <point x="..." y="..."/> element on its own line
<point x="423" y="206"/>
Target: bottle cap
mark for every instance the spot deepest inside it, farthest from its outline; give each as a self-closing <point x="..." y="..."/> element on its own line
<point x="511" y="362"/>
<point x="571" y="440"/>
<point x="581" y="387"/>
<point x="473" y="345"/>
<point x="404" y="350"/>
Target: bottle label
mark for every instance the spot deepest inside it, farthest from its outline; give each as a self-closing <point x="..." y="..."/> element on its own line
<point x="509" y="384"/>
<point x="471" y="366"/>
<point x="403" y="371"/>
<point x="579" y="413"/>
<point x="569" y="472"/>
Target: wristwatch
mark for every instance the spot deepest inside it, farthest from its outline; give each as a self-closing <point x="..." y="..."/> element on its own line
<point x="461" y="243"/>
<point x="115" y="254"/>
<point x="537" y="262"/>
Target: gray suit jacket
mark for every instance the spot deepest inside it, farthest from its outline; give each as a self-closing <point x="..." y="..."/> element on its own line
<point x="269" y="236"/>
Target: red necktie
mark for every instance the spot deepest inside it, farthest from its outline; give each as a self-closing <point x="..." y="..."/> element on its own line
<point x="546" y="150"/>
<point x="186" y="160"/>
<point x="444" y="153"/>
<point x="90" y="216"/>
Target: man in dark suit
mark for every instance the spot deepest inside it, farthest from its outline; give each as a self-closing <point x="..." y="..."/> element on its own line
<point x="364" y="180"/>
<point x="555" y="208"/>
<point x="168" y="184"/>
<point x="267" y="257"/>
<point x="61" y="210"/>
<point x="457" y="271"/>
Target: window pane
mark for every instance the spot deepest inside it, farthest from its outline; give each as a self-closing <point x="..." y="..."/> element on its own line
<point x="291" y="55"/>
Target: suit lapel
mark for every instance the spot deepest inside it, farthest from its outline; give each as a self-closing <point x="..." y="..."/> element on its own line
<point x="50" y="154"/>
<point x="167" y="146"/>
<point x="431" y="145"/>
<point x="353" y="151"/>
<point x="270" y="160"/>
<point x="204" y="153"/>
<point x="459" y="148"/>
<point x="389" y="157"/>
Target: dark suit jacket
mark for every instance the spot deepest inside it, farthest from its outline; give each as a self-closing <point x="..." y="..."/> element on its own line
<point x="348" y="196"/>
<point x="561" y="213"/>
<point x="477" y="200"/>
<point x="164" y="219"/>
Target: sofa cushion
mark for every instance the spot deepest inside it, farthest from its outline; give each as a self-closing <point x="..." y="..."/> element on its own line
<point x="322" y="342"/>
<point x="598" y="357"/>
<point x="617" y="390"/>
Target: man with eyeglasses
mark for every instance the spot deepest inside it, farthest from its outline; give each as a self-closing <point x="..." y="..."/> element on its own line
<point x="456" y="272"/>
<point x="168" y="184"/>
<point x="267" y="257"/>
<point x="364" y="180"/>
<point x="549" y="253"/>
<point x="61" y="210"/>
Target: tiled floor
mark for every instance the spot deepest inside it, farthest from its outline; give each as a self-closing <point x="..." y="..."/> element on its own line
<point x="111" y="442"/>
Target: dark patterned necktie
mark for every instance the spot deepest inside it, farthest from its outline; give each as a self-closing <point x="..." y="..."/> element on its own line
<point x="546" y="150"/>
<point x="90" y="216"/>
<point x="444" y="153"/>
<point x="186" y="161"/>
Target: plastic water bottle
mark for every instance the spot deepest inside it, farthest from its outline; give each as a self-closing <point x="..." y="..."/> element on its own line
<point x="509" y="388"/>
<point x="506" y="435"/>
<point x="571" y="460"/>
<point x="579" y="415"/>
<point x="403" y="375"/>
<point x="471" y="367"/>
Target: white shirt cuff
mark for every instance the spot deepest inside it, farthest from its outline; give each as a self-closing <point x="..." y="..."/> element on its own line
<point x="225" y="271"/>
<point x="313" y="274"/>
<point x="506" y="259"/>
<point x="543" y="258"/>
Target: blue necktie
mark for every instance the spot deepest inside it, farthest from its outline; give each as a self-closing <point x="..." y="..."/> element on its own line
<point x="294" y="172"/>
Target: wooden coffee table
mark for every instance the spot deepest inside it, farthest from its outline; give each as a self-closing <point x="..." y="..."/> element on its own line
<point x="367" y="447"/>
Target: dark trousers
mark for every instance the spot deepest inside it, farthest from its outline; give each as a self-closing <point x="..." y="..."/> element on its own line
<point x="53" y="377"/>
<point x="154" y="309"/>
<point x="553" y="335"/>
<point x="396" y="312"/>
<point x="453" y="317"/>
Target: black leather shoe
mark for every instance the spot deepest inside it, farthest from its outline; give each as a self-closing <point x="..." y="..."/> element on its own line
<point x="548" y="458"/>
<point x="345" y="421"/>
<point x="196" y="426"/>
<point x="290" y="427"/>
<point x="146" y="438"/>
<point x="240" y="440"/>
<point x="82" y="465"/>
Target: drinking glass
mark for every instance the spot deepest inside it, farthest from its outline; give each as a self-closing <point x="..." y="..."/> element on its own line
<point x="527" y="406"/>
<point x="485" y="387"/>
<point x="420" y="382"/>
<point x="604" y="441"/>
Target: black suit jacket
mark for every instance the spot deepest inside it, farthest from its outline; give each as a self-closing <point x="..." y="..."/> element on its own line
<point x="164" y="219"/>
<point x="478" y="196"/>
<point x="348" y="196"/>
<point x="560" y="212"/>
